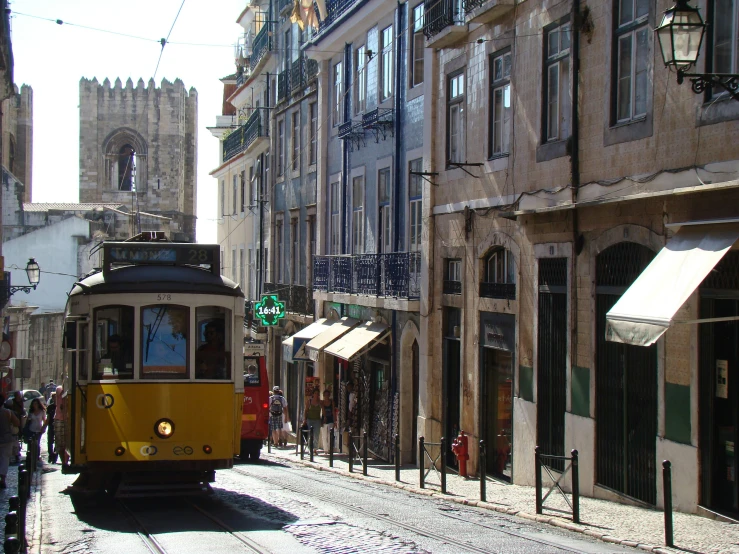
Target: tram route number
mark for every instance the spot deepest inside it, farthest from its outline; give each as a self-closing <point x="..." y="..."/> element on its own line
<point x="165" y="297"/>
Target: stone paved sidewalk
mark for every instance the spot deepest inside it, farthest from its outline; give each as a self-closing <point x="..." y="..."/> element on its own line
<point x="609" y="521"/>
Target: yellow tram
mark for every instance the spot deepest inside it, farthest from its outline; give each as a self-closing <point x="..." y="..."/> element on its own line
<point x="154" y="359"/>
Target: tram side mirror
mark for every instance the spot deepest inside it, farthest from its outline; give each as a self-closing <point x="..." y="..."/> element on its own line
<point x="70" y="335"/>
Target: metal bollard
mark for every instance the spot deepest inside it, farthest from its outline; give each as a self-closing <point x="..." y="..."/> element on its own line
<point x="269" y="441"/>
<point x="537" y="477"/>
<point x="421" y="456"/>
<point x="575" y="488"/>
<point x="331" y="437"/>
<point x="310" y="444"/>
<point x="302" y="444"/>
<point x="397" y="457"/>
<point x="11" y="524"/>
<point x="667" y="487"/>
<point x="364" y="453"/>
<point x="11" y="545"/>
<point x="483" y="473"/>
<point x="14" y="503"/>
<point x="351" y="454"/>
<point x="443" y="465"/>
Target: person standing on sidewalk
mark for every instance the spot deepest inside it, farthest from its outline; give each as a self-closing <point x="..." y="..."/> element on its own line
<point x="277" y="405"/>
<point x="313" y="418"/>
<point x="327" y="431"/>
<point x="7" y="439"/>
<point x="50" y="411"/>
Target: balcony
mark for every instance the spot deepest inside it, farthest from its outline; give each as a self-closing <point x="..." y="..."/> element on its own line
<point x="334" y="10"/>
<point x="486" y="11"/>
<point x="282" y="6"/>
<point x="296" y="297"/>
<point x="353" y="131"/>
<point x="394" y="275"/>
<point x="243" y="137"/>
<point x="506" y="291"/>
<point x="243" y="75"/>
<point x="444" y="24"/>
<point x="283" y="86"/>
<point x="261" y="46"/>
<point x="379" y="121"/>
<point x="452" y="287"/>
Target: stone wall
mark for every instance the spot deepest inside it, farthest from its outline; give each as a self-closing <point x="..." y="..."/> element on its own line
<point x="17" y="136"/>
<point x="46" y="348"/>
<point x="160" y="124"/>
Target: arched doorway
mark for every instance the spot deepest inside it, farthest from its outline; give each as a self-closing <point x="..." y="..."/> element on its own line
<point x="626" y="385"/>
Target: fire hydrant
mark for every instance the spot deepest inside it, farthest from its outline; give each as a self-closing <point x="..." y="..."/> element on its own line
<point x="459" y="447"/>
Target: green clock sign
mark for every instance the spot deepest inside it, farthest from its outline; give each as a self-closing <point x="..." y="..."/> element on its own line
<point x="269" y="310"/>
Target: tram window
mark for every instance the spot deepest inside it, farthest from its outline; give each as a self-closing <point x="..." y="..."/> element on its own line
<point x="113" y="347"/>
<point x="164" y="330"/>
<point x="213" y="355"/>
<point x="83" y="371"/>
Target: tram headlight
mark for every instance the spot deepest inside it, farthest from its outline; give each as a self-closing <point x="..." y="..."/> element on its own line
<point x="207" y="449"/>
<point x="120" y="451"/>
<point x="164" y="428"/>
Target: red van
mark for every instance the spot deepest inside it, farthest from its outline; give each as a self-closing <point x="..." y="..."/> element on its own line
<point x="255" y="415"/>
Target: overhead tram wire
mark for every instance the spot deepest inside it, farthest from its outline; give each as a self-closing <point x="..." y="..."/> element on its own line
<point x="163" y="41"/>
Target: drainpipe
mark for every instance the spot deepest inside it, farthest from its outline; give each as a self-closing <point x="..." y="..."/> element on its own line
<point x="397" y="111"/>
<point x="345" y="146"/>
<point x="577" y="239"/>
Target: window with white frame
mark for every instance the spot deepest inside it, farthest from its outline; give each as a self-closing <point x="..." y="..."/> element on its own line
<point x="557" y="101"/>
<point x="252" y="178"/>
<point x="338" y="94"/>
<point x="724" y="36"/>
<point x="456" y="118"/>
<point x="294" y="251"/>
<point x="223" y="197"/>
<point x="386" y="63"/>
<point x="312" y="132"/>
<point x="250" y="264"/>
<point x="235" y="188"/>
<point x="234" y="265"/>
<point x="383" y="202"/>
<point x="358" y="215"/>
<point x="632" y="60"/>
<point x="242" y="187"/>
<point x="360" y="80"/>
<point x="415" y="192"/>
<point x="280" y="147"/>
<point x="500" y="99"/>
<point x="296" y="140"/>
<point x="242" y="269"/>
<point x="278" y="251"/>
<point x="500" y="267"/>
<point x="335" y="218"/>
<point x="417" y="46"/>
<point x="453" y="270"/>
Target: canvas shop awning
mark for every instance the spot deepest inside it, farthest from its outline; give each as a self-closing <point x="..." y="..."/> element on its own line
<point x="287" y="350"/>
<point x="647" y="308"/>
<point x="358" y="341"/>
<point x="334" y="332"/>
<point x="304" y="336"/>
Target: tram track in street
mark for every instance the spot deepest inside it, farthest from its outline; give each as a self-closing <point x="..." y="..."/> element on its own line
<point x="153" y="545"/>
<point x="415" y="529"/>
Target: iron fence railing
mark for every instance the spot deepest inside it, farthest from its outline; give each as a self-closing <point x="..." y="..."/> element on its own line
<point x="440" y="14"/>
<point x="242" y="76"/>
<point x="507" y="291"/>
<point x="261" y="45"/>
<point x="283" y="85"/>
<point x="334" y="10"/>
<point x="296" y="74"/>
<point x="452" y="287"/>
<point x="244" y="136"/>
<point x="396" y="274"/>
<point x="283" y="4"/>
<point x="296" y="297"/>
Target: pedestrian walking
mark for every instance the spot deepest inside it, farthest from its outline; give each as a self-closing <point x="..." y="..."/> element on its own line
<point x="8" y="419"/>
<point x="50" y="411"/>
<point x="16" y="406"/>
<point x="35" y="425"/>
<point x="327" y="431"/>
<point x="286" y="426"/>
<point x="313" y="411"/>
<point x="60" y="425"/>
<point x="277" y="405"/>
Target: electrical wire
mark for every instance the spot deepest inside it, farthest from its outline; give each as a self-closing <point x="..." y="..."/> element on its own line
<point x="164" y="40"/>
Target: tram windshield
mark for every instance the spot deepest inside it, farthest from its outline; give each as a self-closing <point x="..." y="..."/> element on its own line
<point x="213" y="355"/>
<point x="113" y="344"/>
<point x="164" y="341"/>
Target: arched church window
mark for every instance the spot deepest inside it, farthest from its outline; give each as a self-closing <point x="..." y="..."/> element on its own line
<point x="126" y="167"/>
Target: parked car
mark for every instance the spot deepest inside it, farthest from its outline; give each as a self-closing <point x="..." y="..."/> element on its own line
<point x="28" y="396"/>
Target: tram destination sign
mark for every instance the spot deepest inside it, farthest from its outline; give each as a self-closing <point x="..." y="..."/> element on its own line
<point x="125" y="253"/>
<point x="269" y="310"/>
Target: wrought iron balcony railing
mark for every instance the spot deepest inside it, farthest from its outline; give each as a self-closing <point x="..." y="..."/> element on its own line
<point x="440" y="15"/>
<point x="396" y="275"/>
<point x="296" y="297"/>
<point x="243" y="75"/>
<point x="243" y="137"/>
<point x="296" y="74"/>
<point x="283" y="85"/>
<point x="452" y="287"/>
<point x="261" y="45"/>
<point x="498" y="290"/>
<point x="283" y="4"/>
<point x="334" y="10"/>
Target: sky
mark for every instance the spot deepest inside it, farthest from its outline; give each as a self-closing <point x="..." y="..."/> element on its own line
<point x="52" y="59"/>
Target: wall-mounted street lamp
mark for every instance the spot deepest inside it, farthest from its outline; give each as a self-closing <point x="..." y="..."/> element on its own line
<point x="680" y="37"/>
<point x="33" y="272"/>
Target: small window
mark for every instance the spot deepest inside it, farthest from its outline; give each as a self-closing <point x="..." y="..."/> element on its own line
<point x="338" y="94"/>
<point x="456" y="118"/>
<point x="312" y="132"/>
<point x="453" y="276"/>
<point x="280" y="147"/>
<point x="500" y="99"/>
<point x="213" y="354"/>
<point x="557" y="103"/>
<point x="358" y="215"/>
<point x="632" y="58"/>
<point x="386" y="63"/>
<point x="417" y="46"/>
<point x="500" y="267"/>
<point x="164" y="332"/>
<point x="360" y="84"/>
<point x="113" y="348"/>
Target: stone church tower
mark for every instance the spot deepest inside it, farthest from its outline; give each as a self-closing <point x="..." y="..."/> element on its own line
<point x="17" y="138"/>
<point x="138" y="148"/>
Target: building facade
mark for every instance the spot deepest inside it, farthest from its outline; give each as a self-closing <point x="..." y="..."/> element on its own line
<point x="138" y="147"/>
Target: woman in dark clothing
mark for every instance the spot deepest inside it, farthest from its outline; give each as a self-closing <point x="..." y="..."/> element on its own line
<point x="50" y="411"/>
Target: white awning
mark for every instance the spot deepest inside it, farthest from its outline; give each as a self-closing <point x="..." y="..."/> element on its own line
<point x="287" y="350"/>
<point x="647" y="308"/>
<point x="334" y="332"/>
<point x="359" y="340"/>
<point x="302" y="337"/>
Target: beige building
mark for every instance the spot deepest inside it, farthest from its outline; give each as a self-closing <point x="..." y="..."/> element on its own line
<point x="543" y="213"/>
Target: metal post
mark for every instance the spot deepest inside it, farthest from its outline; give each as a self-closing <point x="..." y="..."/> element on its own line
<point x="331" y="435"/>
<point x="310" y="435"/>
<point x="351" y="453"/>
<point x="364" y="453"/>
<point x="14" y="502"/>
<point x="483" y="473"/>
<point x="667" y="487"/>
<point x="575" y="488"/>
<point x="11" y="524"/>
<point x="443" y="466"/>
<point x="421" y="456"/>
<point x="269" y="441"/>
<point x="24" y="485"/>
<point x="302" y="444"/>
<point x="397" y="457"/>
<point x="12" y="545"/>
<point x="537" y="477"/>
